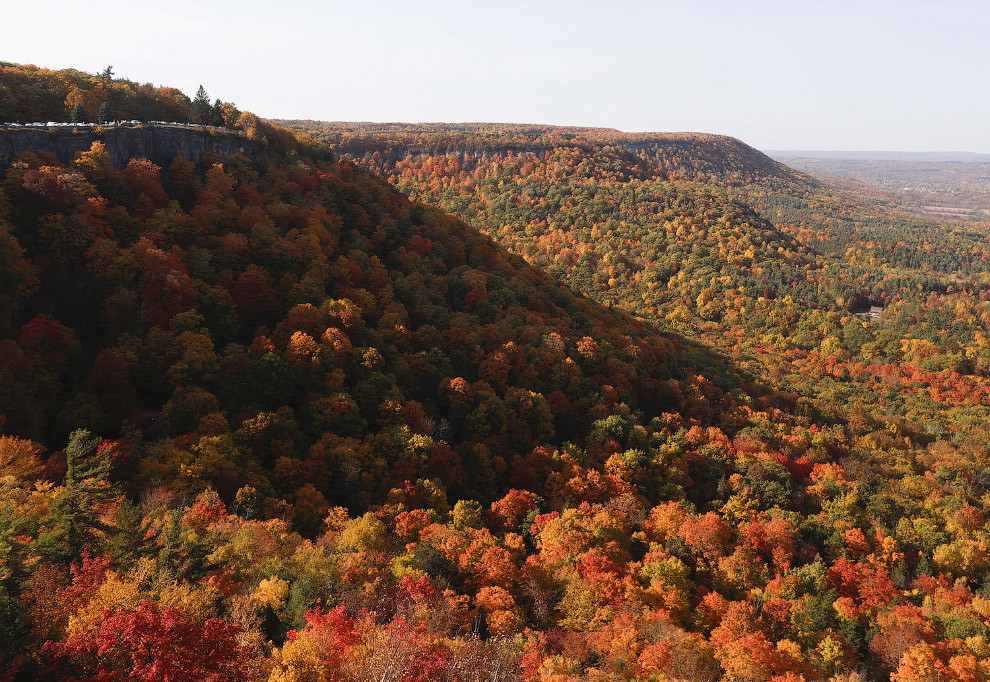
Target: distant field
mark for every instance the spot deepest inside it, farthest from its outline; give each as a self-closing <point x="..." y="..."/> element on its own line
<point x="928" y="157"/>
<point x="953" y="186"/>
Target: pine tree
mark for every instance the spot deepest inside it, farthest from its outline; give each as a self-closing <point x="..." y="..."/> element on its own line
<point x="14" y="562"/>
<point x="216" y="114"/>
<point x="104" y="115"/>
<point x="73" y="522"/>
<point x="126" y="545"/>
<point x="79" y="114"/>
<point x="183" y="557"/>
<point x="169" y="556"/>
<point x="201" y="111"/>
<point x="86" y="465"/>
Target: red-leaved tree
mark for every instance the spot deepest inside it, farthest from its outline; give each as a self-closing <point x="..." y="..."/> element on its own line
<point x="149" y="644"/>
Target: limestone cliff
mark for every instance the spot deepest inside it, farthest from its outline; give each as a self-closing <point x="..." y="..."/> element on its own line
<point x="157" y="143"/>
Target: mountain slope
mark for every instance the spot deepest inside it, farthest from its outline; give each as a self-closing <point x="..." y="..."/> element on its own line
<point x="351" y="435"/>
<point x="710" y="237"/>
<point x="605" y="220"/>
<point x="394" y="302"/>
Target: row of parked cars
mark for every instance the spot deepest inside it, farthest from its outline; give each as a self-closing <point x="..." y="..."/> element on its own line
<point x="55" y="124"/>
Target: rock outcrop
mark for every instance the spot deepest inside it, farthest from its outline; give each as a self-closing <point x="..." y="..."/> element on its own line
<point x="157" y="143"/>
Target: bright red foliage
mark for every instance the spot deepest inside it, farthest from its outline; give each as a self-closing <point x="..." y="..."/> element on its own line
<point x="149" y="644"/>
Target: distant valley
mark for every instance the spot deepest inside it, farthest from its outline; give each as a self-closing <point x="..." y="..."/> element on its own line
<point x="939" y="185"/>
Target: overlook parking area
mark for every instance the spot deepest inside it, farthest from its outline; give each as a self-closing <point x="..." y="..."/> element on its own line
<point x="111" y="124"/>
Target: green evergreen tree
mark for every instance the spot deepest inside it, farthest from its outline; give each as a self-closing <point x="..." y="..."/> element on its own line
<point x="126" y="544"/>
<point x="183" y="557"/>
<point x="79" y="114"/>
<point x="216" y="114"/>
<point x="201" y="111"/>
<point x="86" y="467"/>
<point x="104" y="115"/>
<point x="73" y="522"/>
<point x="169" y="556"/>
<point x="14" y="558"/>
<point x="107" y="74"/>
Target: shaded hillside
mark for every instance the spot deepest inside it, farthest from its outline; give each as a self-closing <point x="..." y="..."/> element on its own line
<point x="595" y="214"/>
<point x="612" y="215"/>
<point x="751" y="257"/>
<point x="234" y="293"/>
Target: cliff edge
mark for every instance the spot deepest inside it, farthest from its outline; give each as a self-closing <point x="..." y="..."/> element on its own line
<point x="157" y="143"/>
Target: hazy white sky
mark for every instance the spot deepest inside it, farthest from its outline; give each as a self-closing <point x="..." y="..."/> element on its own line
<point x="778" y="74"/>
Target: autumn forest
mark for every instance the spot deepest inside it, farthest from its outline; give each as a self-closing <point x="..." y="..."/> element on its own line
<point x="477" y="402"/>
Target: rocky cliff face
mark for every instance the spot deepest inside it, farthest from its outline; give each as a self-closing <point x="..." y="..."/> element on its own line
<point x="159" y="144"/>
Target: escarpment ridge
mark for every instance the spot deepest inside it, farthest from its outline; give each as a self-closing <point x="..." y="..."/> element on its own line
<point x="159" y="143"/>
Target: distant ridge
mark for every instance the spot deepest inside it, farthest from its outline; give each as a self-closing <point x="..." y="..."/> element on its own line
<point x="964" y="157"/>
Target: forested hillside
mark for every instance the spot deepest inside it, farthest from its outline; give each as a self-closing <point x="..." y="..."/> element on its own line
<point x="702" y="234"/>
<point x="31" y="94"/>
<point x="273" y="420"/>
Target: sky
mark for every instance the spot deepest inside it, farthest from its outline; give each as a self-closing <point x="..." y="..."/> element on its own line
<point x="778" y="74"/>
